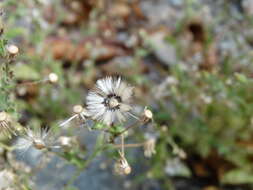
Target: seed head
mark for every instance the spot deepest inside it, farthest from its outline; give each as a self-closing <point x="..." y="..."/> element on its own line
<point x="109" y="100"/>
<point x="37" y="138"/>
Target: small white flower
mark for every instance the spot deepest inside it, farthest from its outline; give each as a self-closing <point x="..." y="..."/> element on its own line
<point x="109" y="100"/>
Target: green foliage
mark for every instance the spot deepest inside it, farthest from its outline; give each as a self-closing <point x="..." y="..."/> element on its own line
<point x="211" y="112"/>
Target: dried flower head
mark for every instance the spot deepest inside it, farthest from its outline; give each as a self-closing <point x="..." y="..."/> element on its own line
<point x="149" y="147"/>
<point x="109" y="100"/>
<point x="79" y="112"/>
<point x="122" y="167"/>
<point x="6" y="124"/>
<point x="37" y="138"/>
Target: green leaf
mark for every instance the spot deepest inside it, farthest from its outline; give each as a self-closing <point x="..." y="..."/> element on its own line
<point x="241" y="78"/>
<point x="238" y="176"/>
<point x="25" y="72"/>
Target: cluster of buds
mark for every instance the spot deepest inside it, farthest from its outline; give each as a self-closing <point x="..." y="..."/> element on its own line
<point x="108" y="103"/>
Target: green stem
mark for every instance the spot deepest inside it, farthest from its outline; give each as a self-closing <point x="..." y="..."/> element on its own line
<point x="99" y="147"/>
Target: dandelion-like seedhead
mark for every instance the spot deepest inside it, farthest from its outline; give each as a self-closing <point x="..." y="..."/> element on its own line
<point x="110" y="100"/>
<point x="37" y="138"/>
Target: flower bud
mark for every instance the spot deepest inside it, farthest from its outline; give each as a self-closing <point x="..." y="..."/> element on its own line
<point x="12" y="50"/>
<point x="77" y="109"/>
<point x="53" y="78"/>
<point x="147" y="115"/>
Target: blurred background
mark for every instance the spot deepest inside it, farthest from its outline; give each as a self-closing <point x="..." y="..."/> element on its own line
<point x="190" y="62"/>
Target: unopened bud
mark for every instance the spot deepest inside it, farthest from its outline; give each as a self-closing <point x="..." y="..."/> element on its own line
<point x="3" y="116"/>
<point x="12" y="49"/>
<point x="53" y="78"/>
<point x="78" y="109"/>
<point x="65" y="141"/>
<point x="147" y="115"/>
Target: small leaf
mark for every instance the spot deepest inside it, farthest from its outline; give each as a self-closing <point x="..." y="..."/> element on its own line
<point x="25" y="72"/>
<point x="238" y="176"/>
<point x="241" y="78"/>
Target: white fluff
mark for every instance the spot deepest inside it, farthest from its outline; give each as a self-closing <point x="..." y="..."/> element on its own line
<point x="109" y="100"/>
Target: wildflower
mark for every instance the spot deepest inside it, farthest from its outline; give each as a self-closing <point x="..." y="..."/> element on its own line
<point x="122" y="167"/>
<point x="6" y="124"/>
<point x="79" y="112"/>
<point x="149" y="147"/>
<point x="37" y="138"/>
<point x="109" y="101"/>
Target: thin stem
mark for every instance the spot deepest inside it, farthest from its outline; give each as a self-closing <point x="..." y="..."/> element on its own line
<point x="68" y="120"/>
<point x="127" y="128"/>
<point x="98" y="148"/>
<point x="134" y="145"/>
<point x="6" y="147"/>
<point x="122" y="145"/>
<point x="134" y="116"/>
<point x="32" y="83"/>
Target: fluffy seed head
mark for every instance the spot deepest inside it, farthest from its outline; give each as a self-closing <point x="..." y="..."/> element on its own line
<point x="109" y="100"/>
<point x="37" y="138"/>
<point x="149" y="147"/>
